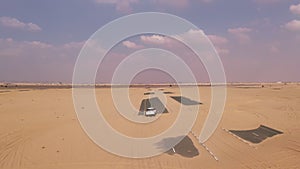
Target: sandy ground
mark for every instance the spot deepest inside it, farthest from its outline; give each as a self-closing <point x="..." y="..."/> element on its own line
<point x="39" y="129"/>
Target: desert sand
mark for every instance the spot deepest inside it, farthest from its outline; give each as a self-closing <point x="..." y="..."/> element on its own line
<point x="39" y="129"/>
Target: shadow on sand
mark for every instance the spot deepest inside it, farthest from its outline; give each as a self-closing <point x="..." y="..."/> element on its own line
<point x="184" y="148"/>
<point x="185" y="100"/>
<point x="256" y="135"/>
<point x="4" y="91"/>
<point x="149" y="93"/>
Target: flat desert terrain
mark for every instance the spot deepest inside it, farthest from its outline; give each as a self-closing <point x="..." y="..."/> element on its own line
<point x="260" y="129"/>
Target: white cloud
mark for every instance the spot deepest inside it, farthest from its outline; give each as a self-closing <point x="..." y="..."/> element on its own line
<point x="37" y="61"/>
<point x="120" y="5"/>
<point x="191" y="36"/>
<point x="17" y="24"/>
<point x="10" y="47"/>
<point x="198" y="38"/>
<point x="131" y="45"/>
<point x="155" y="39"/>
<point x="33" y="27"/>
<point x="36" y="49"/>
<point x="74" y="45"/>
<point x="38" y="44"/>
<point x="222" y="51"/>
<point x="293" y="25"/>
<point x="217" y="40"/>
<point x="241" y="34"/>
<point x="239" y="30"/>
<point x="295" y="9"/>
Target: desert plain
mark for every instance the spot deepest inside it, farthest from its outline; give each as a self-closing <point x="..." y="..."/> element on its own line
<point x="39" y="129"/>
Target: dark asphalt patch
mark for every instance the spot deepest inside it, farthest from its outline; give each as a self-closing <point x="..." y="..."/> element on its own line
<point x="185" y="147"/>
<point x="152" y="102"/>
<point x="256" y="135"/>
<point x="185" y="100"/>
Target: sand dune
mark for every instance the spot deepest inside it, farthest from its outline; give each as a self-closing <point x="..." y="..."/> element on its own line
<point x="39" y="129"/>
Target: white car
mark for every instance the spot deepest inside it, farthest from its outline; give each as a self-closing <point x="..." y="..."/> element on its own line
<point x="150" y="111"/>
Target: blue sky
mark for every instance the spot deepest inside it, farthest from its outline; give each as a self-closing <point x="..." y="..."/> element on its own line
<point x="257" y="40"/>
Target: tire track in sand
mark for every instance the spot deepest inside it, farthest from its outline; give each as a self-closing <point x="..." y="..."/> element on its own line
<point x="11" y="149"/>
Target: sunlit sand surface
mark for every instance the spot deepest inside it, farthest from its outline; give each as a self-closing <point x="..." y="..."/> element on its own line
<point x="39" y="129"/>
